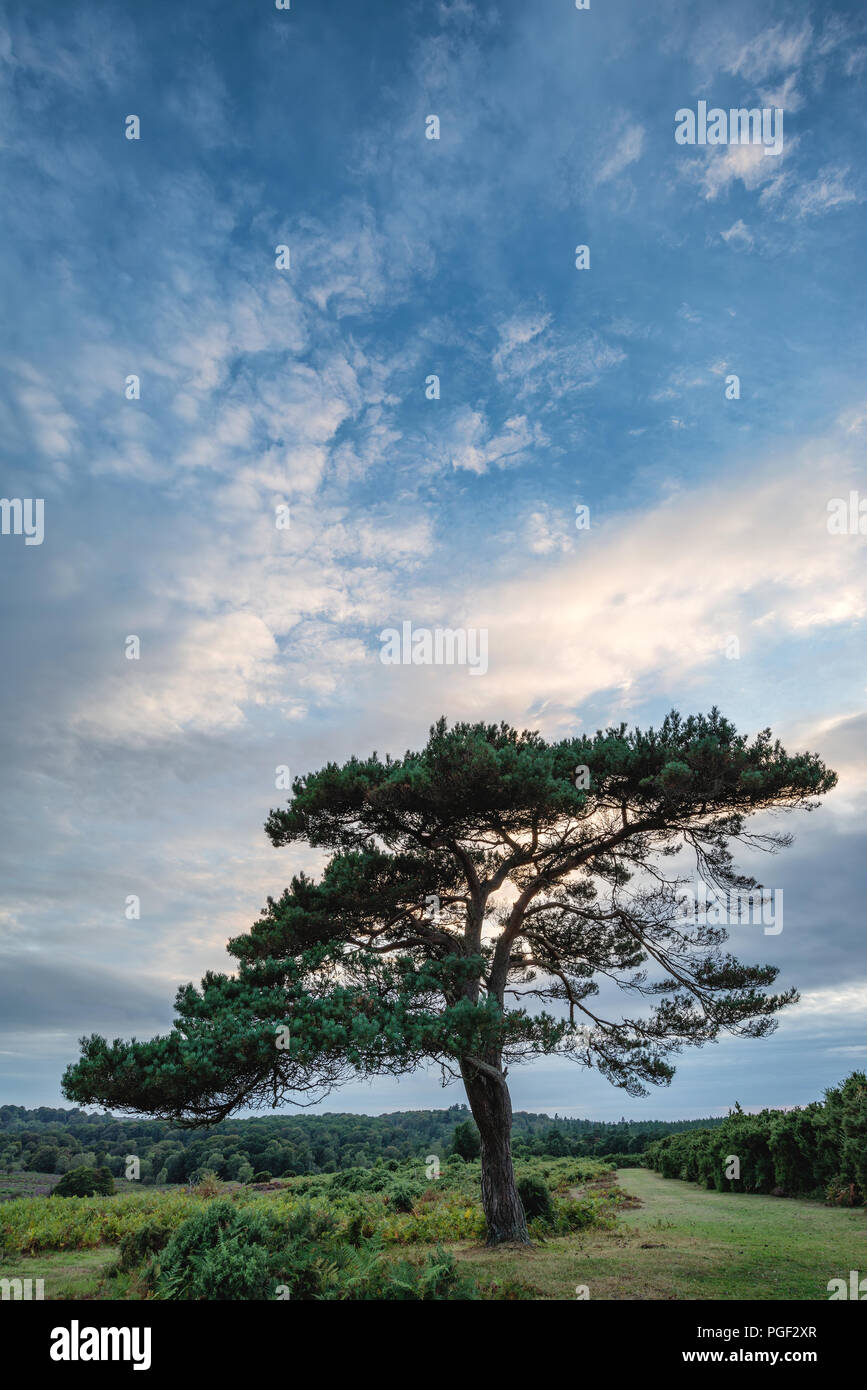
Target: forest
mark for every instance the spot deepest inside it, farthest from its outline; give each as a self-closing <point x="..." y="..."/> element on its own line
<point x="46" y="1140"/>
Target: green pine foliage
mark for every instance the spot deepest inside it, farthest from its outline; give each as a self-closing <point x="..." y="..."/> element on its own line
<point x="351" y="977"/>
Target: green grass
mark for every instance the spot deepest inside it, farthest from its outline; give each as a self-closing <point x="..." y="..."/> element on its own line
<point x="74" y="1274"/>
<point x="682" y="1242"/>
<point x="686" y="1243"/>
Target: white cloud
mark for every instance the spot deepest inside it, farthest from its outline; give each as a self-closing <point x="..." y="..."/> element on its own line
<point x="535" y="358"/>
<point x="627" y="150"/>
<point x="775" y="49"/>
<point x="834" y="1002"/>
<point x="643" y="603"/>
<point x="516" y="333"/>
<point x="784" y="95"/>
<point x="738" y="235"/>
<point x="828" y="190"/>
<point x="200" y="682"/>
<point x="473" y="447"/>
<point x="724" y="165"/>
<point x="547" y="533"/>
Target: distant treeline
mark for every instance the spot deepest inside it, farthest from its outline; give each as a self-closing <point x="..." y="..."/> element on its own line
<point x="820" y="1149"/>
<point x="54" y="1141"/>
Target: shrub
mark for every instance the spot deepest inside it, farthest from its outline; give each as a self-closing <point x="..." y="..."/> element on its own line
<point x="105" y="1181"/>
<point x="402" y="1196"/>
<point x="231" y="1252"/>
<point x="466" y="1140"/>
<point x="84" y="1182"/>
<point x="582" y="1214"/>
<point x="219" y="1254"/>
<point x="30" y="1224"/>
<point x="359" y="1180"/>
<point x="354" y="1230"/>
<point x="138" y="1245"/>
<point x="817" y="1147"/>
<point x="842" y="1193"/>
<point x="536" y="1198"/>
<point x="436" y="1280"/>
<point x="208" y="1184"/>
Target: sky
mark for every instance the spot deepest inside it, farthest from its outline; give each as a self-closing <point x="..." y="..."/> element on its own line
<point x="706" y="573"/>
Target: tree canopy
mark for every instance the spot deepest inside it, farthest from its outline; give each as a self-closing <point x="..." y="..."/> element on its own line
<point x="478" y="891"/>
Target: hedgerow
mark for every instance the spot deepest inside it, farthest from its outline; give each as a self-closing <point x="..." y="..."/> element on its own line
<point x="817" y="1150"/>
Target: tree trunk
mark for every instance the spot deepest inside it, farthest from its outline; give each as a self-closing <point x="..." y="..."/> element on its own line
<point x="491" y="1105"/>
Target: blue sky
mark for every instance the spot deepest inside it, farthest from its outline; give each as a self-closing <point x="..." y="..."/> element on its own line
<point x="558" y="387"/>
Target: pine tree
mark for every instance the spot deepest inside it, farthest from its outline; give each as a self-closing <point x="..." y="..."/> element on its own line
<point x="466" y="881"/>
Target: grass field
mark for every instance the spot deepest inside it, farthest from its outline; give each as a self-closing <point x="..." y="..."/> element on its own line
<point x="677" y="1242"/>
<point x="66" y="1273"/>
<point x="684" y="1243"/>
